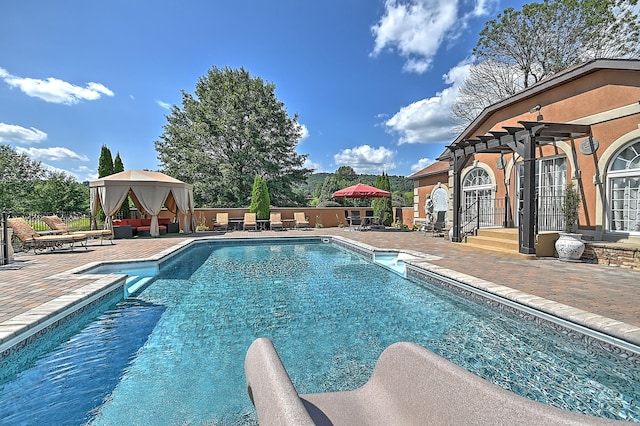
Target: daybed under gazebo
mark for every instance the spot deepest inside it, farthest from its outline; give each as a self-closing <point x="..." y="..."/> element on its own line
<point x="149" y="191"/>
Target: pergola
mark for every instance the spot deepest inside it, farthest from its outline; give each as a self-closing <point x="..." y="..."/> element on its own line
<point x="522" y="140"/>
<point x="149" y="191"/>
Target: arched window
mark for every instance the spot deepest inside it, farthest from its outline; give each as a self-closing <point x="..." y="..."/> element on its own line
<point x="477" y="199"/>
<point x="624" y="190"/>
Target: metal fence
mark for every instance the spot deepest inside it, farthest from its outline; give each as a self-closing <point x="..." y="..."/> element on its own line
<point x="549" y="213"/>
<point x="77" y="221"/>
<point x="496" y="212"/>
<point x="486" y="213"/>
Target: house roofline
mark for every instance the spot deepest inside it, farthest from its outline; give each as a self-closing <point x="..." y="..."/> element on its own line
<point x="558" y="79"/>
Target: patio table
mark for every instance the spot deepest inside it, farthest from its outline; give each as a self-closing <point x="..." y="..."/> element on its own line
<point x="288" y="223"/>
<point x="235" y="223"/>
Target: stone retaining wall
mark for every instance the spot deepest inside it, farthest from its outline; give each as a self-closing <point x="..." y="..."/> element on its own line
<point x="603" y="254"/>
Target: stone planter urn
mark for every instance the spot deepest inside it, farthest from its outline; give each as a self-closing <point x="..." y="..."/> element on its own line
<point x="569" y="247"/>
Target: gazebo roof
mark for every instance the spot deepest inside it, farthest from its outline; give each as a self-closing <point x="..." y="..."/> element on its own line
<point x="138" y="177"/>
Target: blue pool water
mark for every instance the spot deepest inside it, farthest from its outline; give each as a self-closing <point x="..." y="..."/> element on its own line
<point x="173" y="353"/>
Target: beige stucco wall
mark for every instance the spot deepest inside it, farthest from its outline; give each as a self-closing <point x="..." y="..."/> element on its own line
<point x="606" y="100"/>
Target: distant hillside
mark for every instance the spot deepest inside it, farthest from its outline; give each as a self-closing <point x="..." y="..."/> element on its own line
<point x="398" y="183"/>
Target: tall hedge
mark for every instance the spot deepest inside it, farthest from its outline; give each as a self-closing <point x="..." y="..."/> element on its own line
<point x="260" y="201"/>
<point x="382" y="207"/>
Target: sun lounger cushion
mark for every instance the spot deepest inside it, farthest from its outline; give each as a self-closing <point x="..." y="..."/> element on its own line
<point x="55" y="223"/>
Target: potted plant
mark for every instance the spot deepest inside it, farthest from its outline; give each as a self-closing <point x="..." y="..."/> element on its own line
<point x="570" y="245"/>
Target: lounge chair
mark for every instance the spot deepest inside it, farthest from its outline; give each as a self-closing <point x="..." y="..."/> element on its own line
<point x="301" y="220"/>
<point x="250" y="222"/>
<point x="39" y="243"/>
<point x="275" y="222"/>
<point x="56" y="224"/>
<point x="222" y="222"/>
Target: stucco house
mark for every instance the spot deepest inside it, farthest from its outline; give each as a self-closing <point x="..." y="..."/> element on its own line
<point x="431" y="182"/>
<point x="510" y="167"/>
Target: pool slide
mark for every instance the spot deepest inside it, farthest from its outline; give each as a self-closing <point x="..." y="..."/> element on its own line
<point x="410" y="385"/>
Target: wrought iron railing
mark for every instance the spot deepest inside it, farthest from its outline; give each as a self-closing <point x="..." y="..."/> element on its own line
<point x="549" y="215"/>
<point x="485" y="213"/>
<point x="495" y="212"/>
<point x="77" y="221"/>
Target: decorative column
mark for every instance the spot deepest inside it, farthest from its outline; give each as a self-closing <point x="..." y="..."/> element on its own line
<point x="527" y="230"/>
<point x="458" y="164"/>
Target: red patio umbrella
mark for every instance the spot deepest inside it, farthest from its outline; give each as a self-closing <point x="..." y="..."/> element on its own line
<point x="361" y="191"/>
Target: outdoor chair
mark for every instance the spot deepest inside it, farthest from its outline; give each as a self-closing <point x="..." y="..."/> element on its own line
<point x="369" y="219"/>
<point x="222" y="222"/>
<point x="40" y="243"/>
<point x="355" y="220"/>
<point x="56" y="224"/>
<point x="250" y="222"/>
<point x="301" y="220"/>
<point x="275" y="221"/>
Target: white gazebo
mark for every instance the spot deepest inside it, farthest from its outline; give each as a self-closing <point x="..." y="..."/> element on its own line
<point x="149" y="191"/>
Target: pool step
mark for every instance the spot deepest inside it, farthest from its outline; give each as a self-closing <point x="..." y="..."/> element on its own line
<point x="134" y="283"/>
<point x="393" y="261"/>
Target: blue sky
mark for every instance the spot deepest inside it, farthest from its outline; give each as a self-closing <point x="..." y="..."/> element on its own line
<point x="372" y="81"/>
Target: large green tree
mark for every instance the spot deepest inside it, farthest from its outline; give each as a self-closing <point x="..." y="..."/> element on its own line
<point x="231" y="129"/>
<point x="18" y="176"/>
<point x="521" y="47"/>
<point x="59" y="192"/>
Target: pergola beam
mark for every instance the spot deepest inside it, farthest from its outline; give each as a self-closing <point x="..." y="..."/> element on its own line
<point x="522" y="140"/>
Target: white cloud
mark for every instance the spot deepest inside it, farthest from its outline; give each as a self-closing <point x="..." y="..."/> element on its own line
<point x="429" y="120"/>
<point x="164" y="105"/>
<point x="56" y="91"/>
<point x="366" y="160"/>
<point x="421" y="164"/>
<point x="417" y="28"/>
<point x="85" y="173"/>
<point x="52" y="154"/>
<point x="305" y="132"/>
<point x="80" y="174"/>
<point x="483" y="8"/>
<point x="317" y="167"/>
<point x="50" y="168"/>
<point x="13" y="133"/>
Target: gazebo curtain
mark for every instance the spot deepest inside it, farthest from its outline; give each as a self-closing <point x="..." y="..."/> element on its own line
<point x="151" y="199"/>
<point x="109" y="200"/>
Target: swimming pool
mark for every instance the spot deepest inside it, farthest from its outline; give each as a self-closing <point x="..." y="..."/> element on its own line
<point x="173" y="352"/>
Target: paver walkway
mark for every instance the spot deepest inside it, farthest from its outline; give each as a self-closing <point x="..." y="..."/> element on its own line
<point x="607" y="291"/>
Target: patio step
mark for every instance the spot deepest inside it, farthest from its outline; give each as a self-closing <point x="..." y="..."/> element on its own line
<point x="498" y="240"/>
